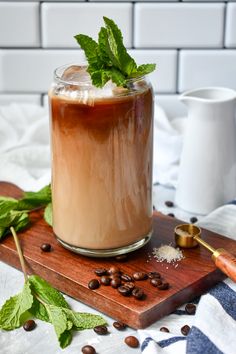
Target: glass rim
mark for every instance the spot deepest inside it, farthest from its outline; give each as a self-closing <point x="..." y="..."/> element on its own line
<point x="58" y="72"/>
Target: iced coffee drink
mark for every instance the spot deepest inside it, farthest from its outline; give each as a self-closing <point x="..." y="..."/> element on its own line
<point x="101" y="142"/>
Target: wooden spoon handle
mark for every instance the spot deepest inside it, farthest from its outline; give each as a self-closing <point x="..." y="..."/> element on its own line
<point x="226" y="262"/>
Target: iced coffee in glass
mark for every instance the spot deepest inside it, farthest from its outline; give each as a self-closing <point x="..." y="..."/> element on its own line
<point x="101" y="142"/>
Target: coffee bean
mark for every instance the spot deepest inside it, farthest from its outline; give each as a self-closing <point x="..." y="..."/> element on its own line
<point x="130" y="285"/>
<point x="171" y="215"/>
<point x="93" y="284"/>
<point x="152" y="275"/>
<point x="153" y="208"/>
<point x="101" y="330"/>
<point x="190" y="309"/>
<point x="185" y="330"/>
<point x="115" y="283"/>
<point x="169" y="204"/>
<point x="140" y="276"/>
<point x="120" y="326"/>
<point x="121" y="258"/>
<point x="29" y="325"/>
<point x="163" y="286"/>
<point x="164" y="329"/>
<point x="193" y="219"/>
<point x="138" y="293"/>
<point x="126" y="277"/>
<point x="105" y="280"/>
<point x="100" y="271"/>
<point x="123" y="290"/>
<point x="155" y="282"/>
<point x="114" y="270"/>
<point x="88" y="349"/>
<point x="115" y="276"/>
<point x="46" y="247"/>
<point x="132" y="342"/>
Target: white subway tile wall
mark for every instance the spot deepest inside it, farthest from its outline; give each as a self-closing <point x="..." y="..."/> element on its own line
<point x="193" y="43"/>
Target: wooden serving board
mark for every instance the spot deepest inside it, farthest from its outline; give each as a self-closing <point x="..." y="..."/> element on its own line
<point x="70" y="273"/>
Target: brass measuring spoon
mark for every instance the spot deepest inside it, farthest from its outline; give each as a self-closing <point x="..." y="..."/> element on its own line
<point x="189" y="235"/>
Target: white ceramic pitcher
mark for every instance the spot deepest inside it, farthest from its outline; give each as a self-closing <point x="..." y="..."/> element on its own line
<point x="207" y="175"/>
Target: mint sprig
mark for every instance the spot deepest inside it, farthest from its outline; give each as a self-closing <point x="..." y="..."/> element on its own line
<point x="108" y="59"/>
<point x="39" y="299"/>
<point x="15" y="212"/>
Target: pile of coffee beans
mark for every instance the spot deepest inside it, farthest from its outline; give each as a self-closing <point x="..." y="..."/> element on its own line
<point x="126" y="283"/>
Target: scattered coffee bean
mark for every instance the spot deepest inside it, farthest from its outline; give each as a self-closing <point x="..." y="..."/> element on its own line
<point x="138" y="293"/>
<point x="185" y="329"/>
<point x="132" y="342"/>
<point x="115" y="276"/>
<point x="88" y="349"/>
<point x="115" y="283"/>
<point x="152" y="275"/>
<point x="164" y="329"/>
<point x="171" y="214"/>
<point x="126" y="277"/>
<point x="155" y="282"/>
<point x="29" y="325"/>
<point x="101" y="330"/>
<point x="169" y="203"/>
<point x="130" y="285"/>
<point x="114" y="270"/>
<point x="163" y="286"/>
<point x="190" y="309"/>
<point x="123" y="290"/>
<point x="193" y="219"/>
<point x="140" y="276"/>
<point x="105" y="280"/>
<point x="100" y="271"/>
<point x="121" y="258"/>
<point x="93" y="284"/>
<point x="120" y="326"/>
<point x="46" y="247"/>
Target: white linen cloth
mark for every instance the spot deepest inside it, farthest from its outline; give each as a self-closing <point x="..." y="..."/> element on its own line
<point x="24" y="146"/>
<point x="25" y="161"/>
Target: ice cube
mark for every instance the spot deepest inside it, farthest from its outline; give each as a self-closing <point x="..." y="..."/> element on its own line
<point x="76" y="74"/>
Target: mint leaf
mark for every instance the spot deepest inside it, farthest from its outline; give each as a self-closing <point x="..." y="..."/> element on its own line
<point x="116" y="49"/>
<point x="61" y="325"/>
<point x="7" y="204"/>
<point x="48" y="214"/>
<point x="108" y="59"/>
<point x="102" y="47"/>
<point x="14" y="309"/>
<point x="32" y="200"/>
<point x="39" y="311"/>
<point x="90" y="48"/>
<point x="145" y="69"/>
<point x="17" y="219"/>
<point x="46" y="292"/>
<point x="84" y="320"/>
<point x="65" y="339"/>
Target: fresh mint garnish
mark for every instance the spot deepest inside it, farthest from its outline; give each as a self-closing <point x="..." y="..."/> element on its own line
<point x="48" y="214"/>
<point x="39" y="299"/>
<point x="14" y="212"/>
<point x="13" y="310"/>
<point x="108" y="59"/>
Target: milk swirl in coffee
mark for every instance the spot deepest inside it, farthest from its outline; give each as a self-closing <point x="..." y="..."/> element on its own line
<point x="101" y="161"/>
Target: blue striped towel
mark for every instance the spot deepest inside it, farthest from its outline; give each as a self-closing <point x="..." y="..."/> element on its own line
<point x="213" y="327"/>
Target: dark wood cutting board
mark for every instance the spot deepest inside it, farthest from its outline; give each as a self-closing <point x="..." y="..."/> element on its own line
<point x="71" y="273"/>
